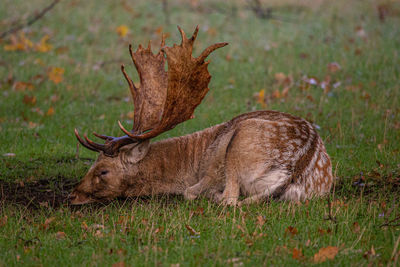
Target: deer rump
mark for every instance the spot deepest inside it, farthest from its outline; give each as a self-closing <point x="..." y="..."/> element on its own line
<point x="257" y="154"/>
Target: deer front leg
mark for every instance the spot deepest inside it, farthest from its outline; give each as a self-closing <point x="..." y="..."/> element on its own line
<point x="232" y="189"/>
<point x="195" y="190"/>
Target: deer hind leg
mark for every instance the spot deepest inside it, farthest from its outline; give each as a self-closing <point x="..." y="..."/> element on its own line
<point x="231" y="191"/>
<point x="259" y="188"/>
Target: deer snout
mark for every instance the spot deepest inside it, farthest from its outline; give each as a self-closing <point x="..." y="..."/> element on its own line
<point x="79" y="198"/>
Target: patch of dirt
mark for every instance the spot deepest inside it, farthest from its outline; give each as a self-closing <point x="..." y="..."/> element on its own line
<point x="34" y="194"/>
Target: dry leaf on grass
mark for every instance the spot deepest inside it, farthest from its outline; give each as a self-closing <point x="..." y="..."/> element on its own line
<point x="191" y="230"/>
<point x="324" y="254"/>
<point x="60" y="235"/>
<point x="122" y="30"/>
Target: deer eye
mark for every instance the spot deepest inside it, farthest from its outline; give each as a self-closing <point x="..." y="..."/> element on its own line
<point x="104" y="172"/>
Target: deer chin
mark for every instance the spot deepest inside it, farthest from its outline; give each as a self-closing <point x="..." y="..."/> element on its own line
<point x="79" y="198"/>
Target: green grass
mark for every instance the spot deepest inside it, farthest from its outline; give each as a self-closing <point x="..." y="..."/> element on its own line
<point x="359" y="121"/>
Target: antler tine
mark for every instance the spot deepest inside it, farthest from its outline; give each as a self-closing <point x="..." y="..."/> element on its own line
<point x="85" y="144"/>
<point x="209" y="50"/>
<point x="93" y="144"/>
<point x="183" y="35"/>
<point x="194" y="35"/>
<point x="104" y="137"/>
<point x="132" y="87"/>
<point x="128" y="133"/>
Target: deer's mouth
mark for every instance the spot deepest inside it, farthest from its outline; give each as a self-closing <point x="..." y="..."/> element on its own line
<point x="80" y="198"/>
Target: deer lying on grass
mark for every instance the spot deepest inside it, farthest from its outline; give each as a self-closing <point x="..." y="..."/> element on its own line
<point x="259" y="154"/>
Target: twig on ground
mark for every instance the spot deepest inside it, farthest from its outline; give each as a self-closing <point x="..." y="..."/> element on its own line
<point x="29" y="22"/>
<point x="390" y="223"/>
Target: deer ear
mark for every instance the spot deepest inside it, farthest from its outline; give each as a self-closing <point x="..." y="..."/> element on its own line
<point x="133" y="153"/>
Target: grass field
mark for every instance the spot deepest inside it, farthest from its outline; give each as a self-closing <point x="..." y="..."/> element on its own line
<point x="335" y="63"/>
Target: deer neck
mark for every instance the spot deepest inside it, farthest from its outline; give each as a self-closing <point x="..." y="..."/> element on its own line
<point x="171" y="165"/>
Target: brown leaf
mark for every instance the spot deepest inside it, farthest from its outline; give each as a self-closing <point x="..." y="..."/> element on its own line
<point x="119" y="264"/>
<point x="260" y="220"/>
<point x="47" y="223"/>
<point x="369" y="253"/>
<point x="22" y="86"/>
<point x="84" y="226"/>
<point x="29" y="100"/>
<point x="3" y="221"/>
<point x="324" y="254"/>
<point x="291" y="230"/>
<point x="297" y="254"/>
<point x="333" y="67"/>
<point x="355" y="227"/>
<point x="60" y="235"/>
<point x="191" y="230"/>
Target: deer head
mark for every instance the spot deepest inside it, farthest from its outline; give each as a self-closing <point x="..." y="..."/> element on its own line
<point x="163" y="100"/>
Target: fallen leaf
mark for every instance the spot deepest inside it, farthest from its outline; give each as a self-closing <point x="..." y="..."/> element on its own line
<point x="60" y="235"/>
<point x="297" y="254"/>
<point x="291" y="230"/>
<point x="29" y="100"/>
<point x="260" y="220"/>
<point x="22" y="86"/>
<point x="19" y="42"/>
<point x="122" y="30"/>
<point x="47" y="223"/>
<point x="84" y="226"/>
<point x="260" y="98"/>
<point x="3" y="221"/>
<point x="333" y="67"/>
<point x="356" y="227"/>
<point x="119" y="264"/>
<point x="50" y="111"/>
<point x="32" y="125"/>
<point x="43" y="46"/>
<point x="369" y="253"/>
<point x="56" y="74"/>
<point x="324" y="254"/>
<point x="191" y="230"/>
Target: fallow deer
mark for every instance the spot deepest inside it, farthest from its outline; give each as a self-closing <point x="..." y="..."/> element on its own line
<point x="257" y="155"/>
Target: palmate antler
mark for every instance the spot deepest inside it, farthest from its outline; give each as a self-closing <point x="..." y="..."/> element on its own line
<point x="164" y="99"/>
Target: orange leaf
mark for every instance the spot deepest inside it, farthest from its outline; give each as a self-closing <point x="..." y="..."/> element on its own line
<point x="50" y="111"/>
<point x="122" y="30"/>
<point x="260" y="98"/>
<point x="43" y="46"/>
<point x="324" y="254"/>
<point x="56" y="74"/>
<point x="297" y="254"/>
